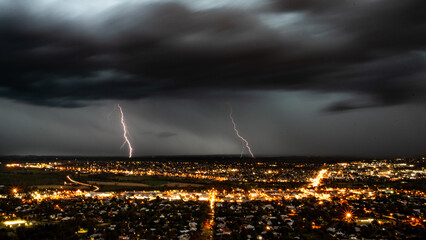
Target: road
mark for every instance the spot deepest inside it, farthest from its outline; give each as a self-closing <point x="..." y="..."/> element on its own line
<point x="84" y="184"/>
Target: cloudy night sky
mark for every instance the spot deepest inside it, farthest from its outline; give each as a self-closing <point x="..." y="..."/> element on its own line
<point x="304" y="77"/>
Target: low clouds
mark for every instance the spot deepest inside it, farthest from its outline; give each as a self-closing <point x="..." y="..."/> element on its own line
<point x="61" y="54"/>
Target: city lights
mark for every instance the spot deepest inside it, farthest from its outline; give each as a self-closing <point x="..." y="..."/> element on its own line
<point x="281" y="206"/>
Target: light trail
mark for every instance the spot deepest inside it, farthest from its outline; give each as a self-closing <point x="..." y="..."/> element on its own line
<point x="319" y="177"/>
<point x="125" y="132"/>
<point x="212" y="199"/>
<point x="84" y="184"/>
<point x="238" y="134"/>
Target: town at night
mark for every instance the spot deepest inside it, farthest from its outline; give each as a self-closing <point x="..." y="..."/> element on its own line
<point x="229" y="198"/>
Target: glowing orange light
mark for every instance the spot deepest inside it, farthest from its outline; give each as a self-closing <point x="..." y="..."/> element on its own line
<point x="319" y="177"/>
<point x="348" y="215"/>
<point x="16" y="222"/>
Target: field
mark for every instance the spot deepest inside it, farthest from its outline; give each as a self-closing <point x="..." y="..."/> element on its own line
<point x="130" y="184"/>
<point x="108" y="182"/>
<point x="30" y="177"/>
<point x="148" y="180"/>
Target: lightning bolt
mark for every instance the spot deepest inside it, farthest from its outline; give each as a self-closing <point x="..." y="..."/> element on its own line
<point x="122" y="145"/>
<point x="126" y="139"/>
<point x="109" y="115"/>
<point x="242" y="151"/>
<point x="238" y="135"/>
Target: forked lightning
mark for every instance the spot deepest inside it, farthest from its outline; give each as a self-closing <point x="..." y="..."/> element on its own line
<point x="126" y="139"/>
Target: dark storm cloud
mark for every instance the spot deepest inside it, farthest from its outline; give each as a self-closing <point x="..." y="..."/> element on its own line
<point x="373" y="49"/>
<point x="166" y="134"/>
<point x="308" y="5"/>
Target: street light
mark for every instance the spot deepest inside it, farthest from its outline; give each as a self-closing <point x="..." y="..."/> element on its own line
<point x="348" y="215"/>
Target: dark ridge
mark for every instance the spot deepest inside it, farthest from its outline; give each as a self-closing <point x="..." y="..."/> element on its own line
<point x="196" y="158"/>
